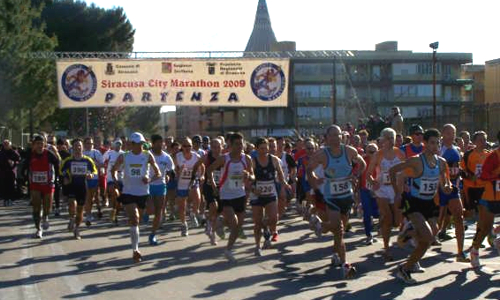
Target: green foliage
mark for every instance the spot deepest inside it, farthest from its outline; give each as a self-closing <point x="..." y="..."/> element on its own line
<point x="25" y="83"/>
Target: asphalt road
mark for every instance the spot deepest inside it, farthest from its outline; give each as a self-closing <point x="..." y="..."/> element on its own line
<point x="100" y="266"/>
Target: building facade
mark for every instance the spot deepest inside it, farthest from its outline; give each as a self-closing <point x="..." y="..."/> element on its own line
<point x="341" y="86"/>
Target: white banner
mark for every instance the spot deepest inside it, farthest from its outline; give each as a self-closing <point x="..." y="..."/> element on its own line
<point x="186" y="82"/>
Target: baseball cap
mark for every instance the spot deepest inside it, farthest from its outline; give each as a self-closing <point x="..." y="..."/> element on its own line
<point x="137" y="138"/>
<point x="118" y="142"/>
<point x="196" y="139"/>
<point x="415" y="128"/>
<point x="206" y="138"/>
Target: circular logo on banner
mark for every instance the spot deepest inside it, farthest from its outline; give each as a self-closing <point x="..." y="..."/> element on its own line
<point x="79" y="82"/>
<point x="268" y="81"/>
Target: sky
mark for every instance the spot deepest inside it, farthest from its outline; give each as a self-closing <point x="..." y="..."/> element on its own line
<point x="226" y="25"/>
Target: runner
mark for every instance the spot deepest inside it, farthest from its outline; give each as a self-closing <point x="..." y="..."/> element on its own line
<point x="187" y="186"/>
<point x="62" y="149"/>
<point x="136" y="180"/>
<point x="211" y="193"/>
<point x="368" y="201"/>
<point x="428" y="174"/>
<point x="289" y="167"/>
<point x="42" y="164"/>
<point x="103" y="148"/>
<point x="489" y="205"/>
<point x="93" y="183"/>
<point x="451" y="203"/>
<point x="383" y="160"/>
<point x="158" y="187"/>
<point x="267" y="171"/>
<point x="114" y="187"/>
<point x="471" y="165"/>
<point x="337" y="160"/>
<point x="172" y="183"/>
<point x="237" y="170"/>
<point x="75" y="170"/>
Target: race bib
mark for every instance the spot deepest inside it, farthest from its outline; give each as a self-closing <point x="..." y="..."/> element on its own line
<point x="186" y="173"/>
<point x="40" y="177"/>
<point x="235" y="182"/>
<point x="266" y="188"/>
<point x="386" y="179"/>
<point x="428" y="186"/>
<point x="78" y="168"/>
<point x="216" y="176"/>
<point x="135" y="172"/>
<point x="454" y="171"/>
<point x="340" y="187"/>
<point x="479" y="168"/>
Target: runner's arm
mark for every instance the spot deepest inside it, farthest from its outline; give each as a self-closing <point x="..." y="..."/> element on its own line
<point x="411" y="163"/>
<point x="317" y="159"/>
<point x="249" y="168"/>
<point x="116" y="166"/>
<point x="153" y="164"/>
<point x="219" y="162"/>
<point x="279" y="170"/>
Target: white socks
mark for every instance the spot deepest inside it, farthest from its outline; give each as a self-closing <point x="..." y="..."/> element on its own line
<point x="134" y="237"/>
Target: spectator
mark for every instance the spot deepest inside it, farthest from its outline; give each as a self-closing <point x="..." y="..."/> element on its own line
<point x="9" y="158"/>
<point x="397" y="120"/>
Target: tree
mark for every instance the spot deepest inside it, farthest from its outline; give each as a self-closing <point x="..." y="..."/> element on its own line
<point x="82" y="28"/>
<point x="25" y="83"/>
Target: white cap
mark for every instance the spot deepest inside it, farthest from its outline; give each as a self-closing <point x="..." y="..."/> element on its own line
<point x="118" y="142"/>
<point x="137" y="138"/>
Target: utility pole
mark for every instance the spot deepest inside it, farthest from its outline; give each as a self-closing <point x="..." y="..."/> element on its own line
<point x="434" y="47"/>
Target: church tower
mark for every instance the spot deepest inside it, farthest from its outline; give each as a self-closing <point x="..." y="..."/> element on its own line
<point x="262" y="37"/>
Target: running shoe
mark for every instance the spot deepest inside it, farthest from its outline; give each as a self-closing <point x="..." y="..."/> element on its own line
<point x="275" y="237"/>
<point x="417" y="268"/>
<point x="443" y="236"/>
<point x="211" y="236"/>
<point x="462" y="258"/>
<point x="369" y="240"/>
<point x="258" y="252"/>
<point x="137" y="257"/>
<point x="267" y="244"/>
<point x="76" y="233"/>
<point x="38" y="234"/>
<point x="474" y="258"/>
<point x="229" y="256"/>
<point x="349" y="271"/>
<point x="336" y="262"/>
<point x="405" y="276"/>
<point x="153" y="240"/>
<point x="184" y="230"/>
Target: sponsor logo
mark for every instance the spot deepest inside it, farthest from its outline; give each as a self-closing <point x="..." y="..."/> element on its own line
<point x="268" y="81"/>
<point x="166" y="67"/>
<point x="79" y="82"/>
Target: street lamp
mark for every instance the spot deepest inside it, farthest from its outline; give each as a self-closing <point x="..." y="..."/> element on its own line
<point x="434" y="47"/>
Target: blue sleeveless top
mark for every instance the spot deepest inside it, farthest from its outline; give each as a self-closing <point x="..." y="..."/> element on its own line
<point x="338" y="183"/>
<point x="426" y="186"/>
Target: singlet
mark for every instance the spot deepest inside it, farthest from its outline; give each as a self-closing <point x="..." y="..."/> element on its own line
<point x="426" y="186"/>
<point x="186" y="169"/>
<point x="231" y="183"/>
<point x="96" y="156"/>
<point x="452" y="156"/>
<point x="41" y="173"/>
<point x="135" y="167"/>
<point x="216" y="173"/>
<point x="77" y="169"/>
<point x="110" y="158"/>
<point x="265" y="179"/>
<point x="165" y="163"/>
<point x="384" y="166"/>
<point x="338" y="170"/>
<point x="474" y="165"/>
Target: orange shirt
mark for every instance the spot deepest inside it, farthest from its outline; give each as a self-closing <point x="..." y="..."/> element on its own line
<point x="474" y="165"/>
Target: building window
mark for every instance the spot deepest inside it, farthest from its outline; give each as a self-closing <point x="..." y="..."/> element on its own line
<point x="420" y="90"/>
<point x="426" y="68"/>
<point x="404" y="69"/>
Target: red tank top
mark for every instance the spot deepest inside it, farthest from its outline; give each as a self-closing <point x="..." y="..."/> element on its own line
<point x="40" y="169"/>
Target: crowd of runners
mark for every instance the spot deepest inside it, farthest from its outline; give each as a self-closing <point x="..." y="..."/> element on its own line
<point x="417" y="186"/>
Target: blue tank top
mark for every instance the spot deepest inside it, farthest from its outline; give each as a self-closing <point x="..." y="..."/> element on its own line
<point x="452" y="156"/>
<point x="426" y="186"/>
<point x="338" y="171"/>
